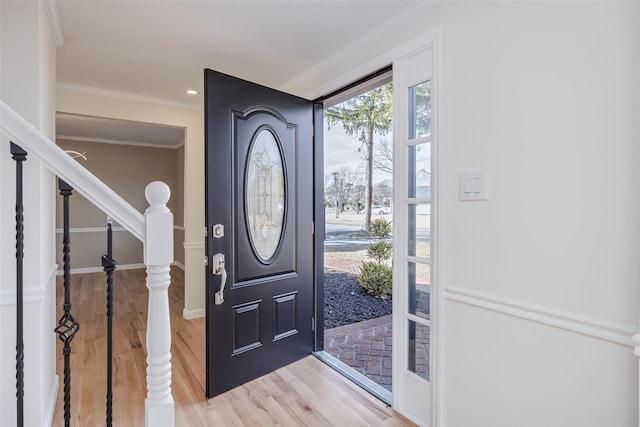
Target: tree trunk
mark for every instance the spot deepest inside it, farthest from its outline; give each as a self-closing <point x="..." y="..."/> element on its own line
<point x="369" y="193"/>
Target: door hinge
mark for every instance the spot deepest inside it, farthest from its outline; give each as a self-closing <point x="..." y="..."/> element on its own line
<point x="206" y="231"/>
<point x="206" y="261"/>
<point x="313" y="324"/>
<point x="313" y="227"/>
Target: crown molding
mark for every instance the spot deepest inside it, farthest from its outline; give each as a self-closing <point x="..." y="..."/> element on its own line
<point x="324" y="67"/>
<point x="125" y="96"/>
<point x="118" y="142"/>
<point x="51" y="7"/>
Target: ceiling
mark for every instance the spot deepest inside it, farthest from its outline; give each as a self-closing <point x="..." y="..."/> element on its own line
<point x="159" y="49"/>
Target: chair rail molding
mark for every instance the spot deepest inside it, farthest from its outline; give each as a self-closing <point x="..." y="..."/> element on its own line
<point x="606" y="330"/>
<point x="31" y="294"/>
<point x="193" y="245"/>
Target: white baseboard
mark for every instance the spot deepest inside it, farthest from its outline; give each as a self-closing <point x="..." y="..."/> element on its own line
<point x="178" y="264"/>
<point x="85" y="270"/>
<point x="51" y="406"/>
<point x="602" y="329"/>
<point x="193" y="314"/>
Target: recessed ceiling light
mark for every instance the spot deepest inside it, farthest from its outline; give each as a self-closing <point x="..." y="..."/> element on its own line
<point x="192" y="92"/>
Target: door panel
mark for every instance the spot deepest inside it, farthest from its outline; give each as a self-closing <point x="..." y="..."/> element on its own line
<point x="246" y="128"/>
<point x="259" y="187"/>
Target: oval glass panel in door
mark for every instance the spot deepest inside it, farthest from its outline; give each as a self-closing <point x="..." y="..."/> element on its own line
<point x="265" y="195"/>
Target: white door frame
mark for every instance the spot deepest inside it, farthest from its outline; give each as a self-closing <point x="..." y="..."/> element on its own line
<point x="414" y="397"/>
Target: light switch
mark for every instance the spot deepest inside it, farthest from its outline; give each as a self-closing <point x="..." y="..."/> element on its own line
<point x="473" y="186"/>
<point x="467" y="186"/>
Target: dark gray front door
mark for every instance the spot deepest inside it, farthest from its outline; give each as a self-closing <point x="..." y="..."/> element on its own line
<point x="259" y="213"/>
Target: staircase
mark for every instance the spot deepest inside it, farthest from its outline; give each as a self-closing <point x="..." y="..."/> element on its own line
<point x="154" y="228"/>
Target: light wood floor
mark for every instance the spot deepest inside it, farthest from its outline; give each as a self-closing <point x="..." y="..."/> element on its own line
<point x="304" y="393"/>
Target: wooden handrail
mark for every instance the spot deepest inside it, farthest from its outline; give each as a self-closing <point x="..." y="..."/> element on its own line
<point x="60" y="163"/>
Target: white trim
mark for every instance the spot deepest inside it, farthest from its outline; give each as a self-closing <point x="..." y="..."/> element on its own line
<point x="420" y="62"/>
<point x="636" y="341"/>
<point x="193" y="314"/>
<point x="179" y="265"/>
<point x="324" y="67"/>
<point x="90" y="229"/>
<point x="85" y="270"/>
<point x="51" y="7"/>
<point x="103" y="229"/>
<point x="193" y="245"/>
<point x="606" y="330"/>
<point x="61" y="164"/>
<point x="438" y="182"/>
<point x="86" y="90"/>
<point x="51" y="406"/>
<point x="30" y="294"/>
<point x="119" y="142"/>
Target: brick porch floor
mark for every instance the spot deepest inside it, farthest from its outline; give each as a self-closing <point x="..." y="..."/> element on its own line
<point x="365" y="346"/>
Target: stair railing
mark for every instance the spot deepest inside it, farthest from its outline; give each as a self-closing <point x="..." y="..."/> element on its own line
<point x="154" y="228"/>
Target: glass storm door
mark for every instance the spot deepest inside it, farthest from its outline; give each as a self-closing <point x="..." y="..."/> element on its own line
<point x="259" y="246"/>
<point x="415" y="236"/>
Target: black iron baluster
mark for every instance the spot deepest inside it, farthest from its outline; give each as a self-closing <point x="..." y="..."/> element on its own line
<point x="19" y="155"/>
<point x="67" y="325"/>
<point x="109" y="265"/>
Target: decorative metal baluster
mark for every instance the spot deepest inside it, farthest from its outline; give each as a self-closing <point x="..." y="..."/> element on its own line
<point x="67" y="325"/>
<point x="109" y="265"/>
<point x="19" y="155"/>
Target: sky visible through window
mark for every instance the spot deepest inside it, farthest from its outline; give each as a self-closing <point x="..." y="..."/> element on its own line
<point x="341" y="151"/>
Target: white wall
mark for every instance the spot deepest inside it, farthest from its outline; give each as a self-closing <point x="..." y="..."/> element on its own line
<point x="126" y="107"/>
<point x="540" y="282"/>
<point x="27" y="84"/>
<point x="544" y="98"/>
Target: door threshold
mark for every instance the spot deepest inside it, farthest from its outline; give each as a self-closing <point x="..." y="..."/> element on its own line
<point x="366" y="383"/>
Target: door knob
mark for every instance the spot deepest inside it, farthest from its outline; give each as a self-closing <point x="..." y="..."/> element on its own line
<point x="219" y="270"/>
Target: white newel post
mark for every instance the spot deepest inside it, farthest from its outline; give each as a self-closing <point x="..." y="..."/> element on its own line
<point x="158" y="255"/>
<point x="636" y="351"/>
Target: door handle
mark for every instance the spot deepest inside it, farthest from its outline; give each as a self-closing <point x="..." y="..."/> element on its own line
<point x="219" y="270"/>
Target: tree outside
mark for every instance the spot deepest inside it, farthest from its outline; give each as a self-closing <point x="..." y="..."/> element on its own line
<point x="345" y="187"/>
<point x="363" y="116"/>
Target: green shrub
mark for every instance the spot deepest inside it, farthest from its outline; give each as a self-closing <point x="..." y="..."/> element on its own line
<point x="376" y="278"/>
<point x="380" y="228"/>
<point x="380" y="251"/>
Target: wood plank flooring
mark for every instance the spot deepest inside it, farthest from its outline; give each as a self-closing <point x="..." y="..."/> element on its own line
<point x="305" y="393"/>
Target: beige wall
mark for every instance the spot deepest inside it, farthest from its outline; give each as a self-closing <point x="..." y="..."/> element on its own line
<point x="127" y="170"/>
<point x="95" y="103"/>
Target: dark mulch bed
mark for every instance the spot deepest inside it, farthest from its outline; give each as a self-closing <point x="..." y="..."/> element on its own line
<point x="346" y="302"/>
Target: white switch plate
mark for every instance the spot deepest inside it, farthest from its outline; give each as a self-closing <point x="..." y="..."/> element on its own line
<point x="473" y="185"/>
